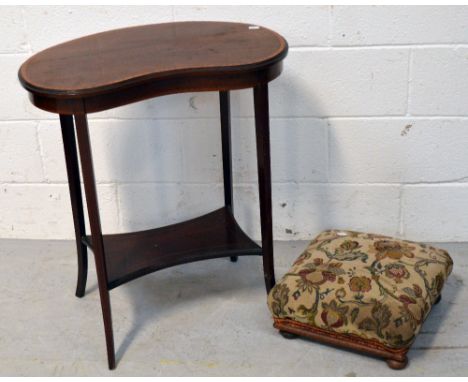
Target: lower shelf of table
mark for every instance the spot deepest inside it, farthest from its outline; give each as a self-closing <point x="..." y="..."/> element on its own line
<point x="214" y="235"/>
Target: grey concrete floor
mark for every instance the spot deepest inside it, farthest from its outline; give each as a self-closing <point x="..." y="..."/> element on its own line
<point x="202" y="319"/>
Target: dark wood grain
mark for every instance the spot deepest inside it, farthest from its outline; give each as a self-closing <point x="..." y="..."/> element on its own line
<point x="131" y="255"/>
<point x="262" y="130"/>
<point x="73" y="173"/>
<point x="225" y="113"/>
<point x="135" y="63"/>
<point x="119" y="67"/>
<point x="96" y="232"/>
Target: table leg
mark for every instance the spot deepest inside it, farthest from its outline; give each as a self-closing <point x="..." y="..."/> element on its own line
<point x="96" y="233"/>
<point x="73" y="172"/>
<point x="224" y="103"/>
<point x="262" y="129"/>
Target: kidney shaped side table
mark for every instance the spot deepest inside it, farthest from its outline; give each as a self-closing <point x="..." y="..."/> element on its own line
<point x="119" y="67"/>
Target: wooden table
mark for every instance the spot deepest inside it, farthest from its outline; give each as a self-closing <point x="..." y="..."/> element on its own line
<point x="123" y="66"/>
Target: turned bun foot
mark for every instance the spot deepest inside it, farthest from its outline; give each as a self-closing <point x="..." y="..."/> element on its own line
<point x="397" y="365"/>
<point x="288" y="335"/>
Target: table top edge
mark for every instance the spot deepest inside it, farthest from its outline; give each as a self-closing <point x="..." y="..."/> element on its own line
<point x="185" y="73"/>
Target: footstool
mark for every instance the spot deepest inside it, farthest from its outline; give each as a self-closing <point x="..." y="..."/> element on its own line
<point x="366" y="292"/>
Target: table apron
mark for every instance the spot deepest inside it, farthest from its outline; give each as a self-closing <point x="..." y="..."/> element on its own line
<point x="223" y="81"/>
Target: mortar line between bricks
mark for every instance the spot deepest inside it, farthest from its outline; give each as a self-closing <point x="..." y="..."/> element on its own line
<point x="306" y="48"/>
<point x="26" y="53"/>
<point x="41" y="151"/>
<point x="409" y="82"/>
<point x="327" y="145"/>
<point x="330" y="25"/>
<point x="26" y="30"/>
<point x="252" y="183"/>
<point x="350" y="117"/>
<point x="400" y="210"/>
<point x="117" y="207"/>
<point x="394" y="117"/>
<point x="433" y="183"/>
<point x="172" y="13"/>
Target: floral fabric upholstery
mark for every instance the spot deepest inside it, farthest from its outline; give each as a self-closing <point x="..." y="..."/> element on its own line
<point x="373" y="286"/>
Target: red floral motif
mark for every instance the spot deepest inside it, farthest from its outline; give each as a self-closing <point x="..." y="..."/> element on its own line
<point x="373" y="286"/>
<point x="319" y="273"/>
<point x="329" y="276"/>
<point x="334" y="316"/>
<point x="316" y="277"/>
<point x="405" y="299"/>
<point x="397" y="272"/>
<point x="318" y="261"/>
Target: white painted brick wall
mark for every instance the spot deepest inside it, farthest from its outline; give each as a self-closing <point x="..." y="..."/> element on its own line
<point x="435" y="210"/>
<point x="397" y="150"/>
<point x="369" y="127"/>
<point x="440" y="81"/>
<point x="390" y="25"/>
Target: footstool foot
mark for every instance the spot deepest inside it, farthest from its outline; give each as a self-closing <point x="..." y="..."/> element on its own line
<point x="438" y="299"/>
<point x="233" y="259"/>
<point x="397" y="365"/>
<point x="288" y="335"/>
<point x="355" y="290"/>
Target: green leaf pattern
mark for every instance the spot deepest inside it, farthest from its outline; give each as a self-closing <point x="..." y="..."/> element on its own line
<point x="371" y="285"/>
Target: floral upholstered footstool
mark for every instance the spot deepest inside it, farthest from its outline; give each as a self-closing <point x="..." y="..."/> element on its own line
<point x="366" y="292"/>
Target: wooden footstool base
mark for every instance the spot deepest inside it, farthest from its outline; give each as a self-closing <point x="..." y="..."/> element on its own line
<point x="364" y="292"/>
<point x="290" y="329"/>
